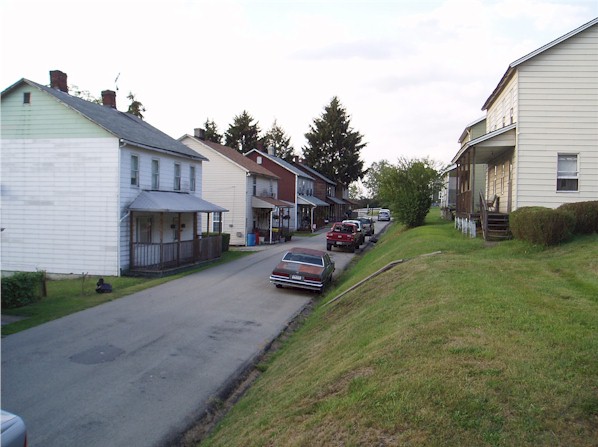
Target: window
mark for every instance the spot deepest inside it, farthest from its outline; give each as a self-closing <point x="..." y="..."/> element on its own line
<point x="191" y="178"/>
<point x="271" y="189"/>
<point x="155" y="174"/>
<point x="27" y="98"/>
<point x="567" y="173"/>
<point x="134" y="170"/>
<point x="217" y="223"/>
<point x="254" y="185"/>
<point x="143" y="230"/>
<point x="174" y="226"/>
<point x="177" y="177"/>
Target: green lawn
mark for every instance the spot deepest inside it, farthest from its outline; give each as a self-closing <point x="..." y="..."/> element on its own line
<point x="480" y="345"/>
<point x="72" y="295"/>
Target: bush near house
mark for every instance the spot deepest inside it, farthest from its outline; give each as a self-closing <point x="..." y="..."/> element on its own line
<point x="542" y="226"/>
<point x="21" y="289"/>
<point x="586" y="216"/>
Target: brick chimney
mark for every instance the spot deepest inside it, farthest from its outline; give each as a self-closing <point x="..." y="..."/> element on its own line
<point x="109" y="98"/>
<point x="199" y="133"/>
<point x="58" y="81"/>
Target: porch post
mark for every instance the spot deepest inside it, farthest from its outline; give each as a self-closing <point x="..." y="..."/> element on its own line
<point x="131" y="241"/>
<point x="178" y="248"/>
<point x="473" y="184"/>
<point x="161" y="240"/>
<point x="195" y="238"/>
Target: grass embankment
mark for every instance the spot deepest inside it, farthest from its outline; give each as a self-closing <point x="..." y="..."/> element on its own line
<point x="67" y="296"/>
<point x="477" y="346"/>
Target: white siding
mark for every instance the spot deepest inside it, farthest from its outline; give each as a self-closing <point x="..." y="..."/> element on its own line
<point x="129" y="192"/>
<point x="60" y="205"/>
<point x="504" y="107"/>
<point x="558" y="113"/>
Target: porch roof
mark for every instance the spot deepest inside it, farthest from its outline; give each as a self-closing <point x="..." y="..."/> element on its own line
<point x="335" y="200"/>
<point x="172" y="202"/>
<point x="311" y="201"/>
<point x="269" y="202"/>
<point x="490" y="145"/>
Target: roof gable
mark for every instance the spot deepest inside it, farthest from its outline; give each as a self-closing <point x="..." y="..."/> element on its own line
<point x="284" y="164"/>
<point x="129" y="128"/>
<point x="236" y="157"/>
<point x="513" y="66"/>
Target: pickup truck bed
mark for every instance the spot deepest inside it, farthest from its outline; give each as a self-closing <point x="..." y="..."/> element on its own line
<point x="343" y="235"/>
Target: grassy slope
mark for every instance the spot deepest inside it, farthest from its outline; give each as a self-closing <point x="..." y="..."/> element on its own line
<point x="475" y="346"/>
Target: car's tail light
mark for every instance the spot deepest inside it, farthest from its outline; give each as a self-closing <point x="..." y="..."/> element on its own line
<point x="275" y="273"/>
<point x="312" y="278"/>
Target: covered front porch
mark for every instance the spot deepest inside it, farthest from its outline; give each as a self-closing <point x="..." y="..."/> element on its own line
<point x="271" y="219"/>
<point x="311" y="211"/>
<point x="164" y="232"/>
<point x="484" y="174"/>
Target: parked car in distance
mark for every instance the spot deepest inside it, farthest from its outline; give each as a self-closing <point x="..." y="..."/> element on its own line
<point x="360" y="231"/>
<point x="14" y="432"/>
<point x="368" y="225"/>
<point x="304" y="268"/>
<point x="343" y="235"/>
<point x="384" y="214"/>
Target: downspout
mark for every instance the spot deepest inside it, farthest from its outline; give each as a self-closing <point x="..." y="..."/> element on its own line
<point x="271" y="212"/>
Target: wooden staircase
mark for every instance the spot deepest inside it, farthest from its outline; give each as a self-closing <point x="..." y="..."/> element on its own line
<point x="497" y="227"/>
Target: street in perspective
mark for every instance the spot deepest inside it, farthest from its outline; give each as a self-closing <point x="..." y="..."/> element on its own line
<point x="140" y="370"/>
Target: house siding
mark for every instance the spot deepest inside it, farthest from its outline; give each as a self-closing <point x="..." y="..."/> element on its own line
<point x="60" y="205"/>
<point x="558" y="98"/>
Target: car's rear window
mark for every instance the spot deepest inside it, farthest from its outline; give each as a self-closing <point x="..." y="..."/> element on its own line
<point x="304" y="259"/>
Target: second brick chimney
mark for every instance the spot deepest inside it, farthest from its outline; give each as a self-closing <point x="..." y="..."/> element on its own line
<point x="109" y="98"/>
<point x="58" y="81"/>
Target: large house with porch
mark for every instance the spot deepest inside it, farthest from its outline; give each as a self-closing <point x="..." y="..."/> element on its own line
<point x="247" y="189"/>
<point x="539" y="145"/>
<point x="89" y="189"/>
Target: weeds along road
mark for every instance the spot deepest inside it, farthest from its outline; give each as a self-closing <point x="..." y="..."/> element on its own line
<point x="139" y="370"/>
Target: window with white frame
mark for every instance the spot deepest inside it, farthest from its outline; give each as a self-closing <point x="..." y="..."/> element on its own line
<point x="217" y="223"/>
<point x="155" y="174"/>
<point x="191" y="178"/>
<point x="177" y="177"/>
<point x="254" y="179"/>
<point x="134" y="170"/>
<point x="567" y="176"/>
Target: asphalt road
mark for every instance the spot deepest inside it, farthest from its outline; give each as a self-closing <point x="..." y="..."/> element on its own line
<point x="140" y="370"/>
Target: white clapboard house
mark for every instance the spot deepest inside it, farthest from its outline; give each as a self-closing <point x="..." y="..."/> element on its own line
<point x="89" y="189"/>
<point x="540" y="144"/>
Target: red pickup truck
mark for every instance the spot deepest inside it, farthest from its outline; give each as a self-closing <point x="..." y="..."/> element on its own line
<point x="342" y="235"/>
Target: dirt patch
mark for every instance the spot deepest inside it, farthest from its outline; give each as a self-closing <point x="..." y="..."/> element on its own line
<point x="220" y="405"/>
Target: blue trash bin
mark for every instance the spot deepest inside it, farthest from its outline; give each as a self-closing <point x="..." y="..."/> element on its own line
<point x="251" y="239"/>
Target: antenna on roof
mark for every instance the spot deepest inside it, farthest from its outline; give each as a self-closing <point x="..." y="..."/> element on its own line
<point x="115" y="82"/>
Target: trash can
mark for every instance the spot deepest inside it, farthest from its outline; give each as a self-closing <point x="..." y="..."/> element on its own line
<point x="250" y="239"/>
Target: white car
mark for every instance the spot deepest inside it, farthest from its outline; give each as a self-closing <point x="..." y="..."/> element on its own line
<point x="384" y="214"/>
<point x="14" y="433"/>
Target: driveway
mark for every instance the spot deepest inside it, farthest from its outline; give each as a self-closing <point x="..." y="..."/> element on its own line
<point x="140" y="370"/>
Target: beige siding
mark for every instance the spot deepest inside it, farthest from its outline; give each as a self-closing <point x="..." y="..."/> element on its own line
<point x="224" y="184"/>
<point x="558" y="113"/>
<point x="504" y="110"/>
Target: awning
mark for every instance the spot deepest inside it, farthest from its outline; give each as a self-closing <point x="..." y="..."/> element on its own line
<point x="490" y="145"/>
<point x="335" y="201"/>
<point x="172" y="202"/>
<point x="269" y="203"/>
<point x="310" y="201"/>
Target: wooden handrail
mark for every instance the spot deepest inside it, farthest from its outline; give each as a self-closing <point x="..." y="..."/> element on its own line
<point x="484" y="216"/>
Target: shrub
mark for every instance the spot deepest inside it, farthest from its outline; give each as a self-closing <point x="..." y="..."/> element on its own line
<point x="21" y="289"/>
<point x="586" y="216"/>
<point x="542" y="226"/>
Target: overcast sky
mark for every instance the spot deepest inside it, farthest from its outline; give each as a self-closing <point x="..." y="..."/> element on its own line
<point x="411" y="74"/>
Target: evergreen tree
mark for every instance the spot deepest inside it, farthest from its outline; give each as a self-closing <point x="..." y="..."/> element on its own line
<point x="135" y="108"/>
<point x="243" y="133"/>
<point x="212" y="131"/>
<point x="278" y="139"/>
<point x="333" y="146"/>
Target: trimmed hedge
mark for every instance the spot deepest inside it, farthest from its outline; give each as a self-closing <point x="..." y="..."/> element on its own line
<point x="21" y="289"/>
<point x="542" y="226"/>
<point x="586" y="216"/>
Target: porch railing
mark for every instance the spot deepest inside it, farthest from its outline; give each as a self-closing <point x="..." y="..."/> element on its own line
<point x="164" y="256"/>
